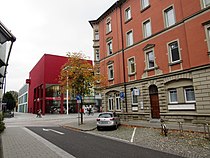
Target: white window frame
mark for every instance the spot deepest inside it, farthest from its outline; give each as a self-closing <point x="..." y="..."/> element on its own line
<point x="109" y="47"/>
<point x="108" y="25"/>
<point x="96" y="35"/>
<point x="207" y="30"/>
<point x="132" y="98"/>
<point x="110" y="103"/>
<point x="185" y="94"/>
<point x="117" y="102"/>
<point x="147" y="28"/>
<point x="205" y="5"/>
<point x="97" y="55"/>
<point x="144" y="4"/>
<point x="110" y="67"/>
<point x="169" y="22"/>
<point x="130" y="66"/>
<point x="148" y="61"/>
<point x="170" y="52"/>
<point x="169" y="94"/>
<point x="129" y="38"/>
<point x="128" y="14"/>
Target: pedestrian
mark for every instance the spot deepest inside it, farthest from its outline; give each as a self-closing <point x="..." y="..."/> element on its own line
<point x="39" y="113"/>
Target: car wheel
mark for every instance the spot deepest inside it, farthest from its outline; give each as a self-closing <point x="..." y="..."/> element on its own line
<point x="98" y="128"/>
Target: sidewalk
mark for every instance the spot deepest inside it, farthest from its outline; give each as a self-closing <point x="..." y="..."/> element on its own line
<point x="19" y="142"/>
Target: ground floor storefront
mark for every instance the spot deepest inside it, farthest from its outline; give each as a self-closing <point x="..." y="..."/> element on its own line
<point x="182" y="96"/>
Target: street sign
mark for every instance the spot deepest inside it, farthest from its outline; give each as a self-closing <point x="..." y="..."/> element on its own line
<point x="122" y="95"/>
<point x="78" y="97"/>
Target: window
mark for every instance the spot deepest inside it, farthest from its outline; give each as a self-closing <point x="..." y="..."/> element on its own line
<point x="117" y="101"/>
<point x="108" y="25"/>
<point x="173" y="96"/>
<point x="207" y="28"/>
<point x="129" y="38"/>
<point x="96" y="35"/>
<point x="97" y="55"/>
<point x="131" y="66"/>
<point x="189" y="94"/>
<point x="128" y="14"/>
<point x="110" y="103"/>
<point x="174" y="52"/>
<point x="110" y="72"/>
<point x="206" y="3"/>
<point x="144" y="4"/>
<point x="147" y="29"/>
<point x="169" y="17"/>
<point x="150" y="60"/>
<point x="109" y="48"/>
<point x="134" y="99"/>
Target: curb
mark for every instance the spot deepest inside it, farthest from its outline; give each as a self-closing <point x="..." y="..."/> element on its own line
<point x="78" y="129"/>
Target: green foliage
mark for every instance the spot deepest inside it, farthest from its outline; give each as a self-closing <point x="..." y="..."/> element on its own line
<point x="2" y="125"/>
<point x="9" y="100"/>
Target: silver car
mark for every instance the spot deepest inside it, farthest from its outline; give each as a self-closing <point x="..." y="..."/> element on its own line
<point x="107" y="119"/>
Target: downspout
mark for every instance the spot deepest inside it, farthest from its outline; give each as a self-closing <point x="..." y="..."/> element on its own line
<point x="123" y="57"/>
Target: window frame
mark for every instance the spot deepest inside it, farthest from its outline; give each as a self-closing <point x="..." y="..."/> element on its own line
<point x="118" y="102"/>
<point x="96" y="35"/>
<point x="145" y="29"/>
<point x="129" y="38"/>
<point x="170" y="52"/>
<point x="132" y="98"/>
<point x="109" y="72"/>
<point x="169" y="96"/>
<point x="166" y="16"/>
<point x="185" y="94"/>
<point x="128" y="15"/>
<point x="148" y="61"/>
<point x="97" y="55"/>
<point x="110" y="107"/>
<point x="143" y="6"/>
<point x="207" y="31"/>
<point x="109" y="51"/>
<point x="130" y="66"/>
<point x="108" y="25"/>
<point x="205" y="5"/>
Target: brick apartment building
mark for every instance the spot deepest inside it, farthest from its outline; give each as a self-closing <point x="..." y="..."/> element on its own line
<point x="156" y="56"/>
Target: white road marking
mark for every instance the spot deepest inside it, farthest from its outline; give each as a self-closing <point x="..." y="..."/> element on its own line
<point x="134" y="131"/>
<point x="44" y="129"/>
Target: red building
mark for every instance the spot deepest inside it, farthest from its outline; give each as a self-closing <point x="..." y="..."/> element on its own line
<point x="44" y="91"/>
<point x="156" y="57"/>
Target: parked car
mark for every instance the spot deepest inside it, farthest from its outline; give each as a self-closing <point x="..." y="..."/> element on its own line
<point x="107" y="119"/>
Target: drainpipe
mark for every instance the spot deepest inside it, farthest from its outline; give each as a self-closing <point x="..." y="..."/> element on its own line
<point x="123" y="57"/>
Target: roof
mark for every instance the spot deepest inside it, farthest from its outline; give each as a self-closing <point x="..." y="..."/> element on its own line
<point x="5" y="34"/>
<point x="107" y="12"/>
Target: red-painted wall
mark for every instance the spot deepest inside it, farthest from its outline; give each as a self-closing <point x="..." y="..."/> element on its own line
<point x="46" y="71"/>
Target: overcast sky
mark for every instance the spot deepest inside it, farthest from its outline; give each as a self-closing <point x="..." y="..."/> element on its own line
<point x="47" y="27"/>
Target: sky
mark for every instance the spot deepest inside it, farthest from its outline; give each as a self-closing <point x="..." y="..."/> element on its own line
<point x="47" y="27"/>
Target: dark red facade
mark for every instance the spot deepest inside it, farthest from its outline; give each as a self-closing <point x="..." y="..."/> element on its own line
<point x="45" y="74"/>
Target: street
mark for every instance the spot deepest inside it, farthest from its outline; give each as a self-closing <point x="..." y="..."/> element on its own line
<point x="80" y="144"/>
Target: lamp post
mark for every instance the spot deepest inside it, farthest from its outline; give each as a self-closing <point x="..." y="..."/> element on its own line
<point x="67" y="93"/>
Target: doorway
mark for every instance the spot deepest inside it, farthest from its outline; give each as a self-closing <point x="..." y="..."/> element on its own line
<point x="154" y="101"/>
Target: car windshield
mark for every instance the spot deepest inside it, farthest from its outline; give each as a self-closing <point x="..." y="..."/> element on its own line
<point x="106" y="115"/>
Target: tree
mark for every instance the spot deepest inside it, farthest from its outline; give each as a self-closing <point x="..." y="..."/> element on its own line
<point x="77" y="75"/>
<point x="15" y="96"/>
<point x="9" y="100"/>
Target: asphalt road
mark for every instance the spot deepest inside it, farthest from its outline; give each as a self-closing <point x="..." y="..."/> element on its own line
<point x="84" y="145"/>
